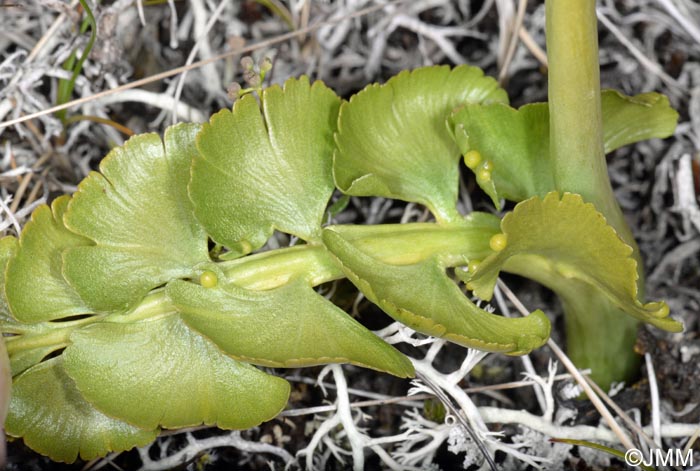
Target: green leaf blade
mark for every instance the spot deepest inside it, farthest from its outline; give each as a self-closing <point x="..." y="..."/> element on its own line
<point x="53" y="418"/>
<point x="558" y="239"/>
<point x="264" y="170"/>
<point x="8" y="248"/>
<point x="160" y="372"/>
<point x="392" y="140"/>
<point x="140" y="219"/>
<point x="516" y="142"/>
<point x="437" y="307"/>
<point x="35" y="287"/>
<point x="630" y="119"/>
<point x="290" y="326"/>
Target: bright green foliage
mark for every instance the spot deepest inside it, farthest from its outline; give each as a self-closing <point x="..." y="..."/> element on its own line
<point x="150" y="236"/>
<point x="20" y="360"/>
<point x="558" y="239"/>
<point x="630" y="119"/>
<point x="162" y="373"/>
<point x="35" y="288"/>
<point x="8" y="249"/>
<point x="440" y="309"/>
<point x="264" y="170"/>
<point x="517" y="141"/>
<point x="587" y="309"/>
<point x="318" y="333"/>
<point x="164" y="336"/>
<point x="392" y="139"/>
<point x="62" y="424"/>
<point x="5" y="382"/>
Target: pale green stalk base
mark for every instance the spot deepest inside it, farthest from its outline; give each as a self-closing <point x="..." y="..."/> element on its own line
<point x="599" y="336"/>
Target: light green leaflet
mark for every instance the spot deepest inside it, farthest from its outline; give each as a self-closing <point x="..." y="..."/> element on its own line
<point x="54" y="419"/>
<point x="139" y="216"/>
<point x="5" y="382"/>
<point x="392" y="140"/>
<point x="36" y="290"/>
<point x="264" y="170"/>
<point x="33" y="289"/>
<point x="630" y="119"/>
<point x="8" y="247"/>
<point x="162" y="373"/>
<point x="516" y="142"/>
<point x="318" y="332"/>
<point x="438" y="307"/>
<point x="22" y="359"/>
<point x="557" y="239"/>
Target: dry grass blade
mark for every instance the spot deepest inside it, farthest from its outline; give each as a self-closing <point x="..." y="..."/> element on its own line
<point x="600" y="407"/>
<point x="513" y="44"/>
<point x="682" y="19"/>
<point x="654" y="392"/>
<point x="648" y="64"/>
<point x="633" y="426"/>
<point x="533" y="47"/>
<point x="568" y="364"/>
<point x="24" y="183"/>
<point x="195" y="50"/>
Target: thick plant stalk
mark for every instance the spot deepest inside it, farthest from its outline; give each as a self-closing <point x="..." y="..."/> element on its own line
<point x="599" y="335"/>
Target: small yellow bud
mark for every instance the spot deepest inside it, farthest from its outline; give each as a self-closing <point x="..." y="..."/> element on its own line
<point x="483" y="175"/>
<point x="208" y="279"/>
<point x="498" y="242"/>
<point x="472" y="159"/>
<point x="487" y="165"/>
<point x="473" y="265"/>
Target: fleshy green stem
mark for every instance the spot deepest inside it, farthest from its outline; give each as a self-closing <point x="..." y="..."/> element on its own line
<point x="394" y="243"/>
<point x="575" y="118"/>
<point x="399" y="244"/>
<point x="599" y="336"/>
<point x="576" y="149"/>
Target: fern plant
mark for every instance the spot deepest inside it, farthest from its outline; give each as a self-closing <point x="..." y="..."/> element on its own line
<point x="144" y="301"/>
